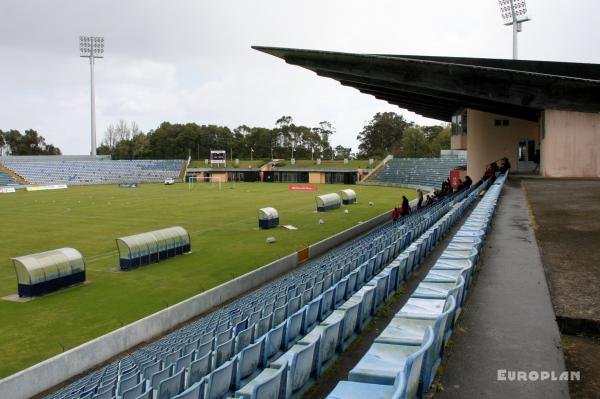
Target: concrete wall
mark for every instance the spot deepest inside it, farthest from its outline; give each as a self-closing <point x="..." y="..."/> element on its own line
<point x="49" y="373"/>
<point x="487" y="143"/>
<point x="458" y="142"/>
<point x="570" y="144"/>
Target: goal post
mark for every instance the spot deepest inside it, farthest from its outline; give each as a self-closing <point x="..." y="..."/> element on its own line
<point x="213" y="180"/>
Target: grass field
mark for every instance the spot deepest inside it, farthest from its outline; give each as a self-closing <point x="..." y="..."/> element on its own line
<point x="225" y="243"/>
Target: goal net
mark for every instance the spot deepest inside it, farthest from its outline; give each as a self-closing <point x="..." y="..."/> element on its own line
<point x="213" y="181"/>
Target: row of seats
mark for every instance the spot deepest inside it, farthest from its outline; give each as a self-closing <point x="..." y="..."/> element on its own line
<point x="7" y="180"/>
<point x="101" y="171"/>
<point x="404" y="358"/>
<point x="428" y="172"/>
<point x="243" y="347"/>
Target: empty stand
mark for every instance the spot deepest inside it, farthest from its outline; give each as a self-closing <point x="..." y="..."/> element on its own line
<point x="99" y="171"/>
<point x="426" y="172"/>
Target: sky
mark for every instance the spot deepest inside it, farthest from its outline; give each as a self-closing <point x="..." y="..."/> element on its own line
<point x="190" y="60"/>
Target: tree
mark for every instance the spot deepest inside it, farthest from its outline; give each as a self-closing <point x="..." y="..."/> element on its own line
<point x="30" y="143"/>
<point x="382" y="135"/>
<point x="342" y="152"/>
<point x="414" y="143"/>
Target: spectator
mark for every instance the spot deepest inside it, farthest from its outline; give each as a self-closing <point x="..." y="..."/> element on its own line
<point x="420" y="202"/>
<point x="405" y="206"/>
<point x="536" y="161"/>
<point x="468" y="182"/>
<point x="505" y="166"/>
<point x="429" y="200"/>
<point x="395" y="214"/>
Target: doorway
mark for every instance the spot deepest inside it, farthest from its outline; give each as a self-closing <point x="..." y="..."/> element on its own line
<point x="526" y="156"/>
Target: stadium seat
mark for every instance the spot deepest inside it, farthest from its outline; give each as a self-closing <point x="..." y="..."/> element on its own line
<point x="171" y="386"/>
<point x="219" y="381"/>
<point x="382" y="363"/>
<point x="270" y="383"/>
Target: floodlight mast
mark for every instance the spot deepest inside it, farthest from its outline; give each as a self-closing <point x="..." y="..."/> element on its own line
<point x="92" y="47"/>
<point x="514" y="12"/>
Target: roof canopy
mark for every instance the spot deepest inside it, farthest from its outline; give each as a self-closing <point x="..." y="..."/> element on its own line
<point x="437" y="87"/>
<point x="50" y="265"/>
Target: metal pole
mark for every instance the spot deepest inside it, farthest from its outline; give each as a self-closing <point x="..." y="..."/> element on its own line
<point x="515" y="30"/>
<point x="93" y="103"/>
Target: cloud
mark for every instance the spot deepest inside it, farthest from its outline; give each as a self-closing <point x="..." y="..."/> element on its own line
<point x="191" y="61"/>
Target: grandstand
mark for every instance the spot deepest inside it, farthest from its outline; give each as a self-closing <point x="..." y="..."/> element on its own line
<point x="7" y="180"/>
<point x="426" y="172"/>
<point x="42" y="170"/>
<point x="275" y="341"/>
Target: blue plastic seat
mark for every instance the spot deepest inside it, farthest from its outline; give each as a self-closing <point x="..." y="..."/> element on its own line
<point x="134" y="391"/>
<point x="298" y="361"/>
<point x="223" y="352"/>
<point x="243" y="339"/>
<point x="349" y="324"/>
<point x="382" y="363"/>
<point x="220" y="380"/>
<point x="293" y="328"/>
<point x="195" y="391"/>
<point x="311" y="316"/>
<point x="269" y="384"/>
<point x="199" y="368"/>
<point x="327" y="336"/>
<point x="274" y="343"/>
<point x="171" y="386"/>
<point x="159" y="376"/>
<point x="409" y="330"/>
<point x="361" y="390"/>
<point x="248" y="362"/>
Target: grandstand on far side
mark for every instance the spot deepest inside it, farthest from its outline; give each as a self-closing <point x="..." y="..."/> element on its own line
<point x="417" y="172"/>
<point x="76" y="170"/>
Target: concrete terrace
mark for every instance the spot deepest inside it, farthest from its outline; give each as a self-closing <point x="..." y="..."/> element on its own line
<point x="508" y="322"/>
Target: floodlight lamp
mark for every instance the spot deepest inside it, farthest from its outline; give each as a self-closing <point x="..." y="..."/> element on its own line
<point x="506" y="11"/>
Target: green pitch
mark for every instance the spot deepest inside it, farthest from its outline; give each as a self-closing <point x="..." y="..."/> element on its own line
<point x="225" y="243"/>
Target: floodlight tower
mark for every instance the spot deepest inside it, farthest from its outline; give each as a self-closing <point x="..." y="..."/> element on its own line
<point x="92" y="47"/>
<point x="514" y="12"/>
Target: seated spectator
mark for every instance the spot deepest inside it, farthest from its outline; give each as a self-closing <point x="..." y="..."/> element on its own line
<point x="395" y="214"/>
<point x="429" y="200"/>
<point x="420" y="203"/>
<point x="468" y="182"/>
<point x="505" y="166"/>
<point x="405" y="206"/>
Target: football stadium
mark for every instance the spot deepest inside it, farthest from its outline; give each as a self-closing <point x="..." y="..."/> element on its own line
<point x="449" y="251"/>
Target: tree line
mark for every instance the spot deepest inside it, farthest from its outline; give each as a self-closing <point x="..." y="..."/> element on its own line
<point x="12" y="142"/>
<point x="386" y="133"/>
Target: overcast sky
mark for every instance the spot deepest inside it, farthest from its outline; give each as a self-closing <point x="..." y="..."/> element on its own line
<point x="191" y="61"/>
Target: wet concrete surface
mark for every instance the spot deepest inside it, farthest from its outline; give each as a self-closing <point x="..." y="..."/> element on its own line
<point x="567" y="214"/>
<point x="567" y="228"/>
<point x="508" y="321"/>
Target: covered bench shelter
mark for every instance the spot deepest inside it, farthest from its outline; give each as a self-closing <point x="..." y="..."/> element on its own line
<point x="328" y="202"/>
<point x="49" y="271"/>
<point x="151" y="247"/>
<point x="268" y="217"/>
<point x="348" y="196"/>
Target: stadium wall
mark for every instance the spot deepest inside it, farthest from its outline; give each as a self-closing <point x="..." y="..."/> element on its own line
<point x="56" y="370"/>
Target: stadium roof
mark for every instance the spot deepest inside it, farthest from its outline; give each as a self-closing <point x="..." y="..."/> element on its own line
<point x="437" y="87"/>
